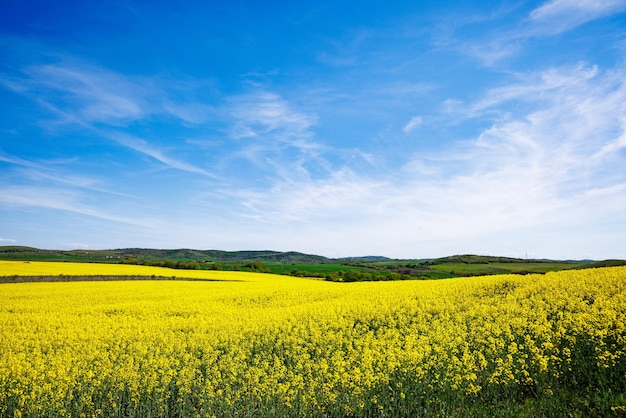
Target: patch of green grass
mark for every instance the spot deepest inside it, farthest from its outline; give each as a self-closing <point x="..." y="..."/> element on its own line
<point x="463" y="269"/>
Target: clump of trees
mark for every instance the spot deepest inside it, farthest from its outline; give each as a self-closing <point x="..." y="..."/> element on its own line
<point x="255" y="266"/>
<point x="360" y="276"/>
<point x="173" y="264"/>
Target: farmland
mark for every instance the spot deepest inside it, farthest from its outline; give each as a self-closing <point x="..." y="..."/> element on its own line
<point x="307" y="265"/>
<point x="249" y="344"/>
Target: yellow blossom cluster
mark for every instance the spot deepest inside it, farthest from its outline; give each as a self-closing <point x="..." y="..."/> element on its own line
<point x="247" y="344"/>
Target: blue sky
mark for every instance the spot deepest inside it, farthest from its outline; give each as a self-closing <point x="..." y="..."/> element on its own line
<point x="403" y="129"/>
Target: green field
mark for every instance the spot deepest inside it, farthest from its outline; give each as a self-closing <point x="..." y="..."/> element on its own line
<point x="463" y="269"/>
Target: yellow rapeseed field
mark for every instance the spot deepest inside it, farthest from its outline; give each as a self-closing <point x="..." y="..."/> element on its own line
<point x="247" y="344"/>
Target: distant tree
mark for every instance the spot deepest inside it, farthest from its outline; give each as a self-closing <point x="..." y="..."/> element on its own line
<point x="352" y="276"/>
<point x="333" y="277"/>
<point x="257" y="266"/>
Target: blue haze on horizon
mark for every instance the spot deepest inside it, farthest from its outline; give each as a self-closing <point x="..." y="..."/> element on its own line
<point x="402" y="129"/>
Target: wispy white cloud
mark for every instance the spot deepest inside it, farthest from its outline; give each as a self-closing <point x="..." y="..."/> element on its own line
<point x="412" y="124"/>
<point x="552" y="18"/>
<point x="556" y="16"/>
<point x="84" y="93"/>
<point x="268" y="131"/>
<point x="535" y="87"/>
<point x="8" y="240"/>
<point x="63" y="200"/>
<point x="146" y="148"/>
<point x="190" y="112"/>
<point x="57" y="172"/>
<point x="94" y="94"/>
<point x="261" y="113"/>
<point x="612" y="147"/>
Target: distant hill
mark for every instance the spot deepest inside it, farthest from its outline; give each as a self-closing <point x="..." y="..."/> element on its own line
<point x="364" y="258"/>
<point x="15" y="252"/>
<point x="218" y="255"/>
<point x="29" y="253"/>
<point x="478" y="259"/>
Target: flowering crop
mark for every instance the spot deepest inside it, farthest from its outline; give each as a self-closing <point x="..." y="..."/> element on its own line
<point x="247" y="344"/>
